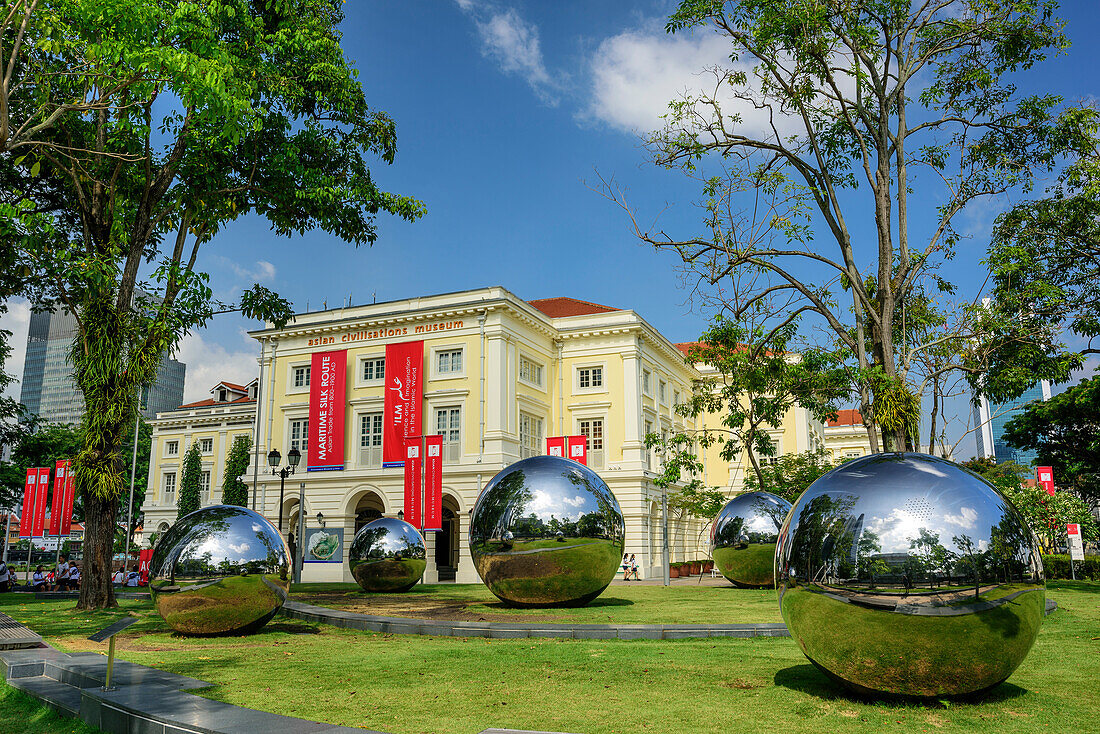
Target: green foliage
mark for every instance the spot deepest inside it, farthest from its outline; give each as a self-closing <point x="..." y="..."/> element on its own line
<point x="234" y="491"/>
<point x="35" y="445"/>
<point x="790" y="474"/>
<point x="190" y="482"/>
<point x="1056" y="566"/>
<point x="1065" y="431"/>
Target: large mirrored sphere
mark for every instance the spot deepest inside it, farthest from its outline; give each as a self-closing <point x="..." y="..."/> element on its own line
<point x="907" y="575"/>
<point x="220" y="570"/>
<point x="546" y="532"/>
<point x="387" y="554"/>
<point x="744" y="536"/>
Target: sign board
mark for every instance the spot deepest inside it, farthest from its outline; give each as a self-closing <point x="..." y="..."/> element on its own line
<point x="1045" y="476"/>
<point x="67" y="505"/>
<point x="145" y="558"/>
<point x="326" y="410"/>
<point x="555" y="446"/>
<point x="60" y="481"/>
<point x="577" y="448"/>
<point x="412" y="481"/>
<point x="28" y="503"/>
<point x="38" y="526"/>
<point x="1076" y="548"/>
<point x="324" y="545"/>
<point x="433" y="483"/>
<point x="401" y="406"/>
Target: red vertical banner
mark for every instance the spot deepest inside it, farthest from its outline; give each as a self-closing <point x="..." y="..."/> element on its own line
<point x="1045" y="475"/>
<point x="401" y="416"/>
<point x="433" y="483"/>
<point x="40" y="502"/>
<point x="144" y="559"/>
<point x="555" y="446"/>
<point x="412" y="461"/>
<point x="67" y="506"/>
<point x="326" y="410"/>
<point x="60" y="479"/>
<point x="578" y="448"/>
<point x="28" y="503"/>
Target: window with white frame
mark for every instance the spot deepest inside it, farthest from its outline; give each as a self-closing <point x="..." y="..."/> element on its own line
<point x="649" y="452"/>
<point x="169" y="493"/>
<point x="300" y="376"/>
<point x="374" y="369"/>
<point x="206" y="445"/>
<point x="589" y="377"/>
<point x="299" y="435"/>
<point x="592" y="429"/>
<point x="448" y="362"/>
<point x="675" y="398"/>
<point x="662" y="389"/>
<point x="530" y="371"/>
<point x="204" y="488"/>
<point x="171" y="448"/>
<point x="530" y="435"/>
<point x="370" y="440"/>
<point x="448" y="424"/>
<point x="646" y="378"/>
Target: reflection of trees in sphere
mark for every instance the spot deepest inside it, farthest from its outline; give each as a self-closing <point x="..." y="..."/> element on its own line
<point x="545" y="532"/>
<point x="219" y="570"/>
<point x="905" y="574"/>
<point x="387" y="555"/>
<point x="744" y="537"/>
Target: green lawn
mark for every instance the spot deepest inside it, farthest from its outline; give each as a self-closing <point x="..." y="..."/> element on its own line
<point x="22" y="714"/>
<point x="619" y="604"/>
<point x="405" y="684"/>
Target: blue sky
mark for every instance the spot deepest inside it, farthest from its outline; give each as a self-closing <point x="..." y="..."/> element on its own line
<point x="504" y="111"/>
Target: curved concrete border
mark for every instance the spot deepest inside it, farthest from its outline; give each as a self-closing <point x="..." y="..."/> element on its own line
<point x="508" y="630"/>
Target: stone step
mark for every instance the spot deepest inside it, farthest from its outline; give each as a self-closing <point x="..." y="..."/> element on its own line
<point x="61" y="697"/>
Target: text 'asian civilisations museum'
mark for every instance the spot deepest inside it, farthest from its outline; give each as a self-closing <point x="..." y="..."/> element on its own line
<point x="496" y="376"/>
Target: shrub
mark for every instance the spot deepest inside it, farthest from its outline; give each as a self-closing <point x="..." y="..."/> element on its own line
<point x="1057" y="567"/>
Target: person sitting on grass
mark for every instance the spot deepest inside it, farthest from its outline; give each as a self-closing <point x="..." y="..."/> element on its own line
<point x="61" y="576"/>
<point x="73" y="581"/>
<point x="120" y="576"/>
<point x="134" y="577"/>
<point x="39" y="581"/>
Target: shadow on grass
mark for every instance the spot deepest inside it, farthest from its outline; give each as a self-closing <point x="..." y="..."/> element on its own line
<point x="608" y="601"/>
<point x="290" y="628"/>
<point x="811" y="681"/>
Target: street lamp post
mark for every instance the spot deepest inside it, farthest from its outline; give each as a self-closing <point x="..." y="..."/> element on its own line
<point x="292" y="458"/>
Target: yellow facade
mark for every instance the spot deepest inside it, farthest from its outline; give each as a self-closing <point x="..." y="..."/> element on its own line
<point x="501" y="375"/>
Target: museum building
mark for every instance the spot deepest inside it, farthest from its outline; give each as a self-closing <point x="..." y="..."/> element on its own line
<point x="500" y="376"/>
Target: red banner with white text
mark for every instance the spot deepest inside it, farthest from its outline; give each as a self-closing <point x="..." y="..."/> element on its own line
<point x="326" y="410"/>
<point x="401" y="416"/>
<point x="412" y="460"/>
<point x="40" y="493"/>
<point x="1045" y="475"/>
<point x="433" y="483"/>
<point x="28" y="503"/>
<point x="67" y="506"/>
<point x="145" y="557"/>
<point x="555" y="446"/>
<point x="577" y="448"/>
<point x="60" y="480"/>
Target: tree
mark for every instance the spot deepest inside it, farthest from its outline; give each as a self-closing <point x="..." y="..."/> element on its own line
<point x="234" y="491"/>
<point x="790" y="474"/>
<point x="233" y="108"/>
<point x="36" y="445"/>
<point x="825" y="108"/>
<point x="190" y="481"/>
<point x="1065" y="432"/>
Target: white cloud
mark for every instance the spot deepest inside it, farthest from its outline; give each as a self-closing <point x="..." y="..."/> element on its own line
<point x="577" y="501"/>
<point x="965" y="519"/>
<point x="261" y="271"/>
<point x="514" y="44"/>
<point x="241" y="548"/>
<point x="16" y="320"/>
<point x="209" y="363"/>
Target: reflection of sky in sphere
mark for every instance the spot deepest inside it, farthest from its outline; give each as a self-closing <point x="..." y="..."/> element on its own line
<point x="898" y="495"/>
<point x="553" y="487"/>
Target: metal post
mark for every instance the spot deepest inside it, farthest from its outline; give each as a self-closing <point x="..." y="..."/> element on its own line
<point x="300" y="561"/>
<point x="130" y="504"/>
<point x="7" y="536"/>
<point x="30" y="547"/>
<point x="110" y="663"/>
<point x="664" y="533"/>
<point x="256" y="432"/>
<point x="282" y="486"/>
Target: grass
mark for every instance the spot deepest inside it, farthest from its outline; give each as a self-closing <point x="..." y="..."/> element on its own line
<point x="22" y="714"/>
<point x="619" y="604"/>
<point x="406" y="684"/>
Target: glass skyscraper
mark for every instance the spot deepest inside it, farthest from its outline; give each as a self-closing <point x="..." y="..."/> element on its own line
<point x="990" y="420"/>
<point x="48" y="389"/>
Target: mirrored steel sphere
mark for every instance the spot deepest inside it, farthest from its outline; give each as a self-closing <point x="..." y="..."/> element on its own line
<point x="744" y="536"/>
<point x="387" y="554"/>
<point x="546" y="532"/>
<point x="905" y="574"/>
<point x="219" y="570"/>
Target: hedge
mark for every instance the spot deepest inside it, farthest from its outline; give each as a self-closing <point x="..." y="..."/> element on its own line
<point x="1057" y="567"/>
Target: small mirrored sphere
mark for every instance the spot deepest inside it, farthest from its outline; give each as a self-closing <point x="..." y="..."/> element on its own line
<point x="744" y="536"/>
<point x="546" y="532"/>
<point x="906" y="575"/>
<point x="220" y="570"/>
<point x="387" y="555"/>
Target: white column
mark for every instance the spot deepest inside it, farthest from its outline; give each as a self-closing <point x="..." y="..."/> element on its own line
<point x="431" y="572"/>
<point x="466" y="573"/>
<point x="496" y="404"/>
<point x="633" y="444"/>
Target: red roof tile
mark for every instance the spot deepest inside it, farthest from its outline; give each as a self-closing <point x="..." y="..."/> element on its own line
<point x="231" y="386"/>
<point x="846" y="417"/>
<point x="211" y="401"/>
<point x="562" y="306"/>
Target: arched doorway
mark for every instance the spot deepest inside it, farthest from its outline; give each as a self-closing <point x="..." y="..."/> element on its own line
<point x="446" y="541"/>
<point x="368" y="507"/>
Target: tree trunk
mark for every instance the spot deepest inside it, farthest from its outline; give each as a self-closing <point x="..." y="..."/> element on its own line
<point x="99" y="544"/>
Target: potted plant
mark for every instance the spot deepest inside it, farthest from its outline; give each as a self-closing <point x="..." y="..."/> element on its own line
<point x="673" y="570"/>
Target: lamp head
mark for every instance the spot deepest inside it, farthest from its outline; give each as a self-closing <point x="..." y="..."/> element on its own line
<point x="273" y="458"/>
<point x="293" y="457"/>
